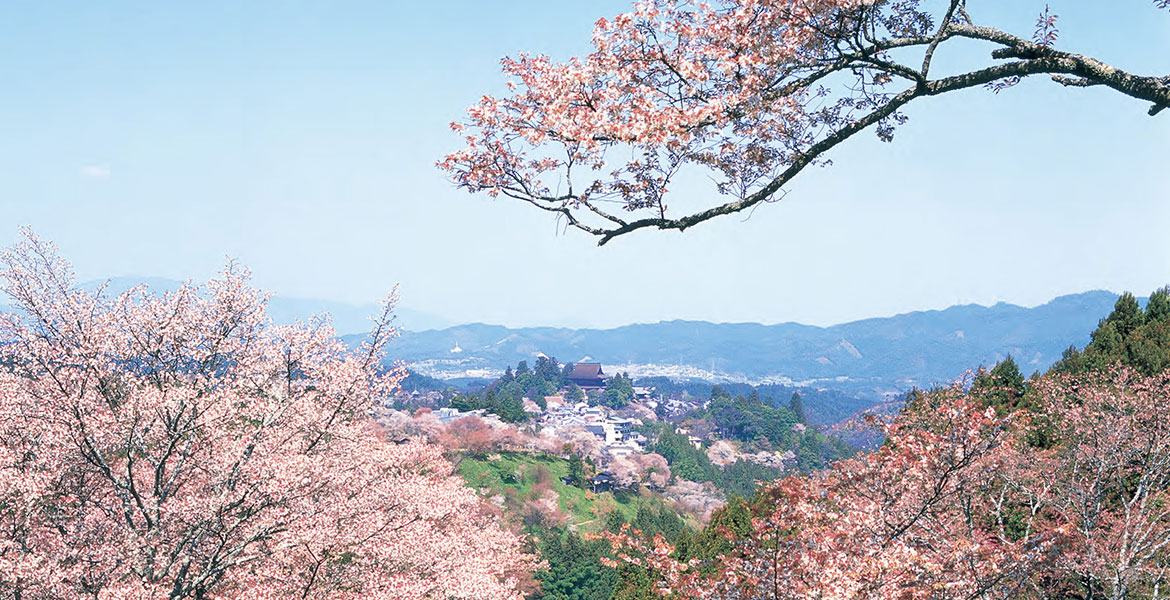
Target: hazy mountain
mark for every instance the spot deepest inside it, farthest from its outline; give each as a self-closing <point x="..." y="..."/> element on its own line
<point x="894" y="353"/>
<point x="347" y="318"/>
<point x="872" y="355"/>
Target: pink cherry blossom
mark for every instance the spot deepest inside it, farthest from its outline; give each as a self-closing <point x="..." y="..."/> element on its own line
<point x="182" y="446"/>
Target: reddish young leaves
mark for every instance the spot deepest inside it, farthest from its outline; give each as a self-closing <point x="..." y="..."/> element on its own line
<point x="746" y="93"/>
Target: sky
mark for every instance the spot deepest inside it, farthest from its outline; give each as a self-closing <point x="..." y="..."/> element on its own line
<point x="157" y="139"/>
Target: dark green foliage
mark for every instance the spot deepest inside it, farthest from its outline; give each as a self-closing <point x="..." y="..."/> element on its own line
<point x="1158" y="307"/>
<point x="508" y="407"/>
<point x="796" y="405"/>
<point x="740" y="477"/>
<point x="1127" y="315"/>
<point x="685" y="460"/>
<point x="636" y="583"/>
<point x="614" y="521"/>
<point x="1130" y="336"/>
<point x="1002" y="387"/>
<point x="577" y="470"/>
<point x="753" y="422"/>
<point x="505" y="396"/>
<point x="815" y="451"/>
<point x="574" y="394"/>
<point x="749" y="419"/>
<point x="619" y="391"/>
<point x="1148" y="349"/>
<point x="574" y="569"/>
<point x="759" y="424"/>
<point x="549" y="371"/>
<point x="417" y="382"/>
<point x="663" y="520"/>
<point x="465" y="402"/>
<point x="822" y="407"/>
<point x="730" y="522"/>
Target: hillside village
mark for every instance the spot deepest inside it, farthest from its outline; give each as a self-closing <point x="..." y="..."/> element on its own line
<point x="615" y="436"/>
<point x="608" y="435"/>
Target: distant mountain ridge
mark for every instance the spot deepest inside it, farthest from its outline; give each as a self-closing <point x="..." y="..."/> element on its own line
<point x="872" y="356"/>
<point x="878" y="354"/>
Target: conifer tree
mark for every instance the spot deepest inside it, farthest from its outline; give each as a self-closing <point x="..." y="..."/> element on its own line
<point x="1158" y="307"/>
<point x="796" y="405"/>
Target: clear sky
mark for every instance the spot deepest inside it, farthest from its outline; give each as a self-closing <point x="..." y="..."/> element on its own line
<point x="152" y="138"/>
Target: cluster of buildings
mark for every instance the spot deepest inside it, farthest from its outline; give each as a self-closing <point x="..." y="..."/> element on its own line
<point x="618" y="436"/>
<point x="671" y="407"/>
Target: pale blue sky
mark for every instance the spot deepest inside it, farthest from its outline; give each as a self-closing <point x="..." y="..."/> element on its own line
<point x="156" y="138"/>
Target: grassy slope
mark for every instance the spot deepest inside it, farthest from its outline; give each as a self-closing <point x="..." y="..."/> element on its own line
<point x="515" y="471"/>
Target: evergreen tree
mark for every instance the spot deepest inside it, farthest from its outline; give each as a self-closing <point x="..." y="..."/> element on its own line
<point x="796" y="405"/>
<point x="574" y="394"/>
<point x="509" y="408"/>
<point x="1127" y="315"/>
<point x="614" y="521"/>
<point x="1007" y="375"/>
<point x="731" y="522"/>
<point x="685" y="460"/>
<point x="619" y="391"/>
<point x="465" y="402"/>
<point x="1002" y="387"/>
<point x="576" y="470"/>
<point x="574" y="568"/>
<point x="1158" y="308"/>
<point x="547" y="370"/>
<point x="1148" y="348"/>
<point x="742" y="477"/>
<point x="717" y="392"/>
<point x="1127" y="336"/>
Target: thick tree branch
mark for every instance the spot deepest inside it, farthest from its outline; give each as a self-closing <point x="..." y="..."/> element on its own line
<point x="1088" y="71"/>
<point x="932" y="88"/>
<point x="755" y="98"/>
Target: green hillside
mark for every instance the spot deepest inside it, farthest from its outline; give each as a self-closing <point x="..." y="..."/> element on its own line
<point x="521" y="478"/>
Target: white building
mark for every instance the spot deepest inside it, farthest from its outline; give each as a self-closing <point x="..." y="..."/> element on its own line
<point x="448" y="415"/>
<point x="606" y="431"/>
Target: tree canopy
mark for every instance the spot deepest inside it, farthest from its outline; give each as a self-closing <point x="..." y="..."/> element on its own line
<point x="182" y="446"/>
<point x="750" y="93"/>
<point x="961" y="503"/>
<point x="1128" y="335"/>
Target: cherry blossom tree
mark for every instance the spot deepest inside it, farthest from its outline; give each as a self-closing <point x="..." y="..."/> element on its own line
<point x="910" y="520"/>
<point x="1103" y="467"/>
<point x="747" y="92"/>
<point x="640" y="468"/>
<point x="182" y="446"/>
<point x="1066" y="498"/>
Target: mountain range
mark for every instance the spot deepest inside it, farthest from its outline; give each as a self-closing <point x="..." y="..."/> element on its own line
<point x="874" y="357"/>
<point x="879" y="355"/>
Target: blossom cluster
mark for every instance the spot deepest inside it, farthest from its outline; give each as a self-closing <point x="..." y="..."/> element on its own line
<point x="180" y="445"/>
